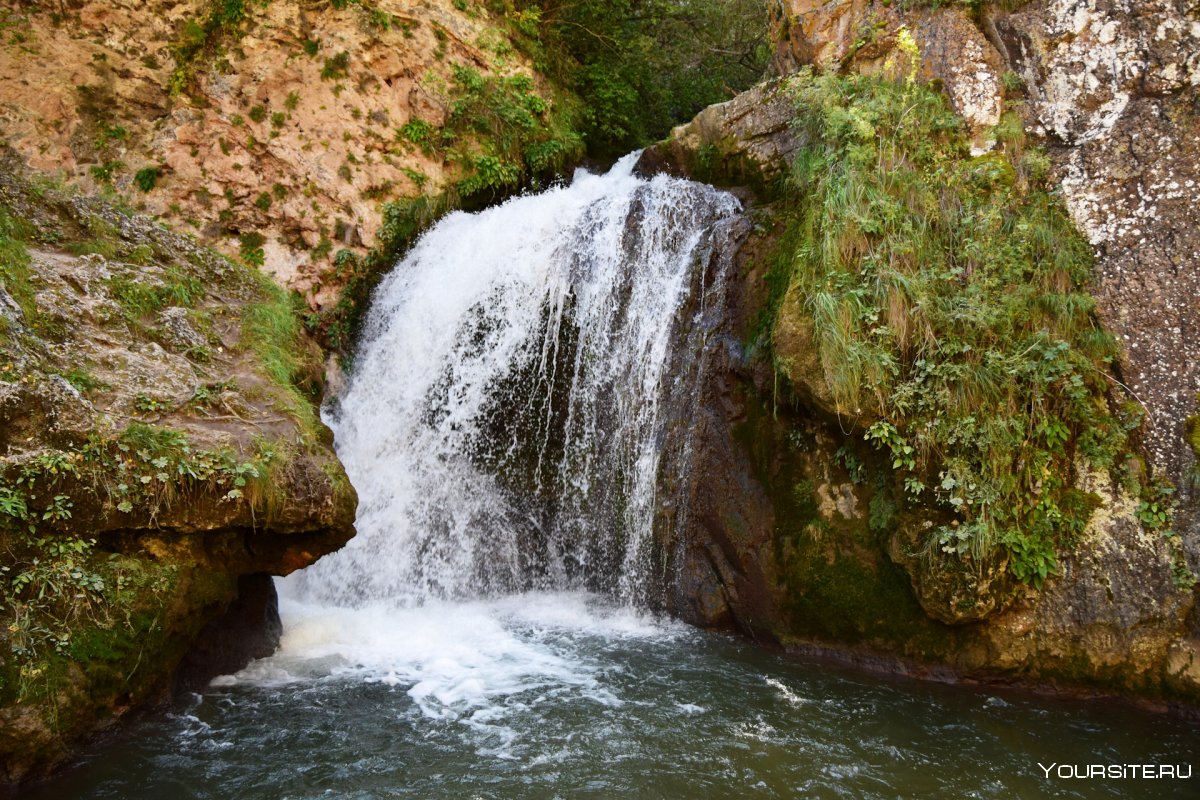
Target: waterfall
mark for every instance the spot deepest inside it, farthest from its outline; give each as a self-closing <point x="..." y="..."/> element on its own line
<point x="507" y="418"/>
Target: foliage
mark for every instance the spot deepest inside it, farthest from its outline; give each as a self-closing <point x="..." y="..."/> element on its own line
<point x="641" y="66"/>
<point x="250" y="248"/>
<point x="948" y="292"/>
<point x="14" y="265"/>
<point x="203" y="38"/>
<point x="140" y="298"/>
<point x="55" y="582"/>
<point x="336" y="68"/>
<point x="503" y="132"/>
<point x="146" y="178"/>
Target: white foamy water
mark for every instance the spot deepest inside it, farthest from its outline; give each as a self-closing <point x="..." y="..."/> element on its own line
<point x="504" y="428"/>
<point x="504" y="424"/>
<point x="462" y="661"/>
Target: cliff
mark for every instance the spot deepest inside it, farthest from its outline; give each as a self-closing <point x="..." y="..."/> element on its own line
<point x="282" y="131"/>
<point x="160" y="457"/>
<point x="877" y="397"/>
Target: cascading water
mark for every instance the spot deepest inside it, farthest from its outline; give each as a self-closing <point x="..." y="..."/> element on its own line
<point x="528" y="378"/>
<point x="505" y="424"/>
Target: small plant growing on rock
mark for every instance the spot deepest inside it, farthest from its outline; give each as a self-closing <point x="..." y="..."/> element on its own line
<point x="146" y="178"/>
<point x="336" y="67"/>
<point x="251" y="248"/>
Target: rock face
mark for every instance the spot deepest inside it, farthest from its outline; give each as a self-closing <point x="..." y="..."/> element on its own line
<point x="808" y="548"/>
<point x="286" y="125"/>
<point x="1113" y="89"/>
<point x="160" y="456"/>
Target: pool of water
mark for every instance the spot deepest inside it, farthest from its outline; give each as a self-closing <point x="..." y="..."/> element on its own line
<point x="564" y="696"/>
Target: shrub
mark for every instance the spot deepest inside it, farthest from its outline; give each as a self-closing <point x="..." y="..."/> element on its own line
<point x="146" y="178"/>
<point x="949" y="293"/>
<point x="336" y="68"/>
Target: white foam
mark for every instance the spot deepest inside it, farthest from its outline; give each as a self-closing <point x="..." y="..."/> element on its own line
<point x="466" y="661"/>
<point x="561" y="306"/>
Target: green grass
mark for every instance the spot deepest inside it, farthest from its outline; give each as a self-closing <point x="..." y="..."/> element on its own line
<point x="140" y="299"/>
<point x="14" y="264"/>
<point x="947" y="295"/>
<point x="273" y="332"/>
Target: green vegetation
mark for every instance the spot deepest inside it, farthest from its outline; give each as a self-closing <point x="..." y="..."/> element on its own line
<point x="503" y="132"/>
<point x="336" y="68"/>
<point x="272" y="330"/>
<point x="250" y="248"/>
<point x="14" y="265"/>
<point x="146" y="178"/>
<point x="946" y="295"/>
<point x="58" y="586"/>
<point x="140" y="299"/>
<point x="64" y="501"/>
<point x="641" y="66"/>
<point x="204" y="39"/>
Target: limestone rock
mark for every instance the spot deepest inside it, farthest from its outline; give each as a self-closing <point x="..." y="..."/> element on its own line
<point x="747" y="140"/>
<point x="278" y="140"/>
<point x="192" y="466"/>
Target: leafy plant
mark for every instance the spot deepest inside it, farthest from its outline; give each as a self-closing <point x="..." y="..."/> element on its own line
<point x="250" y="248"/>
<point x="146" y="178"/>
<point x="337" y="67"/>
<point x="642" y="66"/>
<point x="946" y="295"/>
<point x="203" y="38"/>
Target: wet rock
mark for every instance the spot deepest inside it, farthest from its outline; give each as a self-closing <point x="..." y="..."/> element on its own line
<point x="194" y="467"/>
<point x="775" y="547"/>
<point x="951" y="589"/>
<point x="250" y="628"/>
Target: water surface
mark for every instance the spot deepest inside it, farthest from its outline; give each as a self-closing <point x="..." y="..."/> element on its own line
<point x="561" y="695"/>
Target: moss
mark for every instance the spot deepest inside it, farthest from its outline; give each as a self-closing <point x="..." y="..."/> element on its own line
<point x="939" y="301"/>
<point x="15" y="274"/>
<point x="836" y="580"/>
<point x="1192" y="434"/>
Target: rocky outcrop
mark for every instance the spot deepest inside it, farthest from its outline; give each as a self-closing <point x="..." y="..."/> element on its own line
<point x="159" y="456"/>
<point x="791" y="533"/>
<point x="746" y="141"/>
<point x="813" y="550"/>
<point x="1112" y="89"/>
<point x="282" y="131"/>
<point x="898" y="41"/>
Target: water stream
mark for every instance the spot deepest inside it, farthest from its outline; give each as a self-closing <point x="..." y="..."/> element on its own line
<point x="490" y="631"/>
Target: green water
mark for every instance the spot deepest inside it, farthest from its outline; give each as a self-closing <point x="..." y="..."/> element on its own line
<point x="561" y="696"/>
